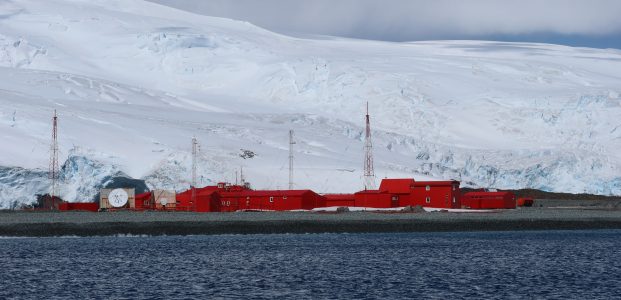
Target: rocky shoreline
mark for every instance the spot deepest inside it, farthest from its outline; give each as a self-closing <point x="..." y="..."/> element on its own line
<point x="41" y="224"/>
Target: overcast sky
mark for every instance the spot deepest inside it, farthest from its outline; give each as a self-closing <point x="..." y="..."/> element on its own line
<point x="591" y="23"/>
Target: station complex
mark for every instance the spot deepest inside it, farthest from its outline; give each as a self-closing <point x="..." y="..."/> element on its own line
<point x="225" y="197"/>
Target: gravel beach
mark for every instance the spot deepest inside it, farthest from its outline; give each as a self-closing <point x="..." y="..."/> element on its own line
<point x="546" y="216"/>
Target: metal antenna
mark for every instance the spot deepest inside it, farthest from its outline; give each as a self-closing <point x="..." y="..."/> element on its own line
<point x="241" y="175"/>
<point x="369" y="173"/>
<point x="194" y="159"/>
<point x="194" y="162"/>
<point x="54" y="169"/>
<point x="291" y="143"/>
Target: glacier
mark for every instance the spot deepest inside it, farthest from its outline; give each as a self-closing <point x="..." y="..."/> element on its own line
<point x="134" y="81"/>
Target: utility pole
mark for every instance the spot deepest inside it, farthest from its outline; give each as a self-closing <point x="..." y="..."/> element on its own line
<point x="369" y="173"/>
<point x="195" y="150"/>
<point x="194" y="160"/>
<point x="241" y="175"/>
<point x="291" y="142"/>
<point x="53" y="168"/>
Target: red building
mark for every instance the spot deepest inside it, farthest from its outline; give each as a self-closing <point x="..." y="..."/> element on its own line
<point x="440" y="194"/>
<point x="240" y="197"/>
<point x="143" y="201"/>
<point x="489" y="200"/>
<point x="339" y="200"/>
<point x="199" y="200"/>
<point x="87" y="206"/>
<point x="401" y="193"/>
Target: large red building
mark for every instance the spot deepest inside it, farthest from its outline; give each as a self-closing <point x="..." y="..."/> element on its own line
<point x="401" y="193"/>
<point x="408" y="192"/>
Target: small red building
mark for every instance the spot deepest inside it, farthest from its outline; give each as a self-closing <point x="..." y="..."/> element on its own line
<point x="525" y="202"/>
<point x="489" y="200"/>
<point x="87" y="206"/>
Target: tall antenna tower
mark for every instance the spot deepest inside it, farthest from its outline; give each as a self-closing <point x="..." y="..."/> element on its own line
<point x="194" y="159"/>
<point x="291" y="143"/>
<point x="195" y="149"/>
<point x="369" y="173"/>
<point x="54" y="169"/>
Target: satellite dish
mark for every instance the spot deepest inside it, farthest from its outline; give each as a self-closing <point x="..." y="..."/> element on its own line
<point x="163" y="201"/>
<point x="117" y="198"/>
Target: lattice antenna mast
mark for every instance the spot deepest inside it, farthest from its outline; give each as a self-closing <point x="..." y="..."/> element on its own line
<point x="291" y="143"/>
<point x="54" y="169"/>
<point x="195" y="150"/>
<point x="369" y="173"/>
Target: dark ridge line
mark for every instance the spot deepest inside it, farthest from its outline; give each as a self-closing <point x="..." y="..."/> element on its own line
<point x="295" y="227"/>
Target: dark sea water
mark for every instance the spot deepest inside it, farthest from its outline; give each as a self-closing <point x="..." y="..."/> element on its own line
<point x="503" y="265"/>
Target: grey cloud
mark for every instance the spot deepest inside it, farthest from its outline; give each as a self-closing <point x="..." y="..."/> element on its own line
<point x="418" y="19"/>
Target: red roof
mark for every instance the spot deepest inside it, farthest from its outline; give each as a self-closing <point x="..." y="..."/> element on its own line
<point x="396" y="186"/>
<point x="369" y="192"/>
<point x="275" y="192"/>
<point x="436" y="183"/>
<point x="487" y="194"/>
<point x="339" y="196"/>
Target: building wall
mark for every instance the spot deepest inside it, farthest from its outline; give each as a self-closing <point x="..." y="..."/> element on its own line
<point x="331" y="200"/>
<point x="375" y="199"/>
<point x="434" y="194"/>
<point x="88" y="206"/>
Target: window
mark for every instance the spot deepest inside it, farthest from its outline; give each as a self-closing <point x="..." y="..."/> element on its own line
<point x="454" y="187"/>
<point x="395" y="198"/>
<point x="427" y="188"/>
<point x="428" y="199"/>
<point x="272" y="199"/>
<point x="454" y="199"/>
<point x="284" y="197"/>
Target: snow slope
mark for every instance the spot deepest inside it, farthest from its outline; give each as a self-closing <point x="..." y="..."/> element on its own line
<point x="133" y="81"/>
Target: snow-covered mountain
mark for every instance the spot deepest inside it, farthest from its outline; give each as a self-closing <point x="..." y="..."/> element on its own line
<point x="133" y="81"/>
